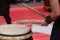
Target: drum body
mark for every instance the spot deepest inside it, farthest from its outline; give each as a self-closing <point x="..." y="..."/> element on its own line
<point x="47" y="5"/>
<point x="15" y="32"/>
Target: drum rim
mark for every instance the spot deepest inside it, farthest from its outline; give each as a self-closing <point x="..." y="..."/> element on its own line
<point x="7" y="35"/>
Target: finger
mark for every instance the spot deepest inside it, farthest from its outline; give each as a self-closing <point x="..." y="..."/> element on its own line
<point x="41" y="24"/>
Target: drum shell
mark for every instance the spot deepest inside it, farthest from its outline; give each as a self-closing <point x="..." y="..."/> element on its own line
<point x="12" y="38"/>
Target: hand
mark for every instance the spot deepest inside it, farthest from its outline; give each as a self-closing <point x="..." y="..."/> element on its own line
<point x="43" y="23"/>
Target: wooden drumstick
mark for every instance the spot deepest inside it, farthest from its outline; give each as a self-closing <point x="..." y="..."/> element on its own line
<point x="34" y="10"/>
<point x="27" y="21"/>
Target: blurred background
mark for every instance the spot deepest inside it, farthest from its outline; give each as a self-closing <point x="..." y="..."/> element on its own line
<point x="18" y="3"/>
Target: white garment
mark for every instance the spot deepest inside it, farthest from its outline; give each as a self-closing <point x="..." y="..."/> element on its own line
<point x="42" y="29"/>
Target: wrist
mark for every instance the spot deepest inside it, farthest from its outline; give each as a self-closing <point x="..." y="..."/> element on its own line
<point x="48" y="19"/>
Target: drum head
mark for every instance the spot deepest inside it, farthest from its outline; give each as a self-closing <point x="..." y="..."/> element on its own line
<point x="14" y="30"/>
